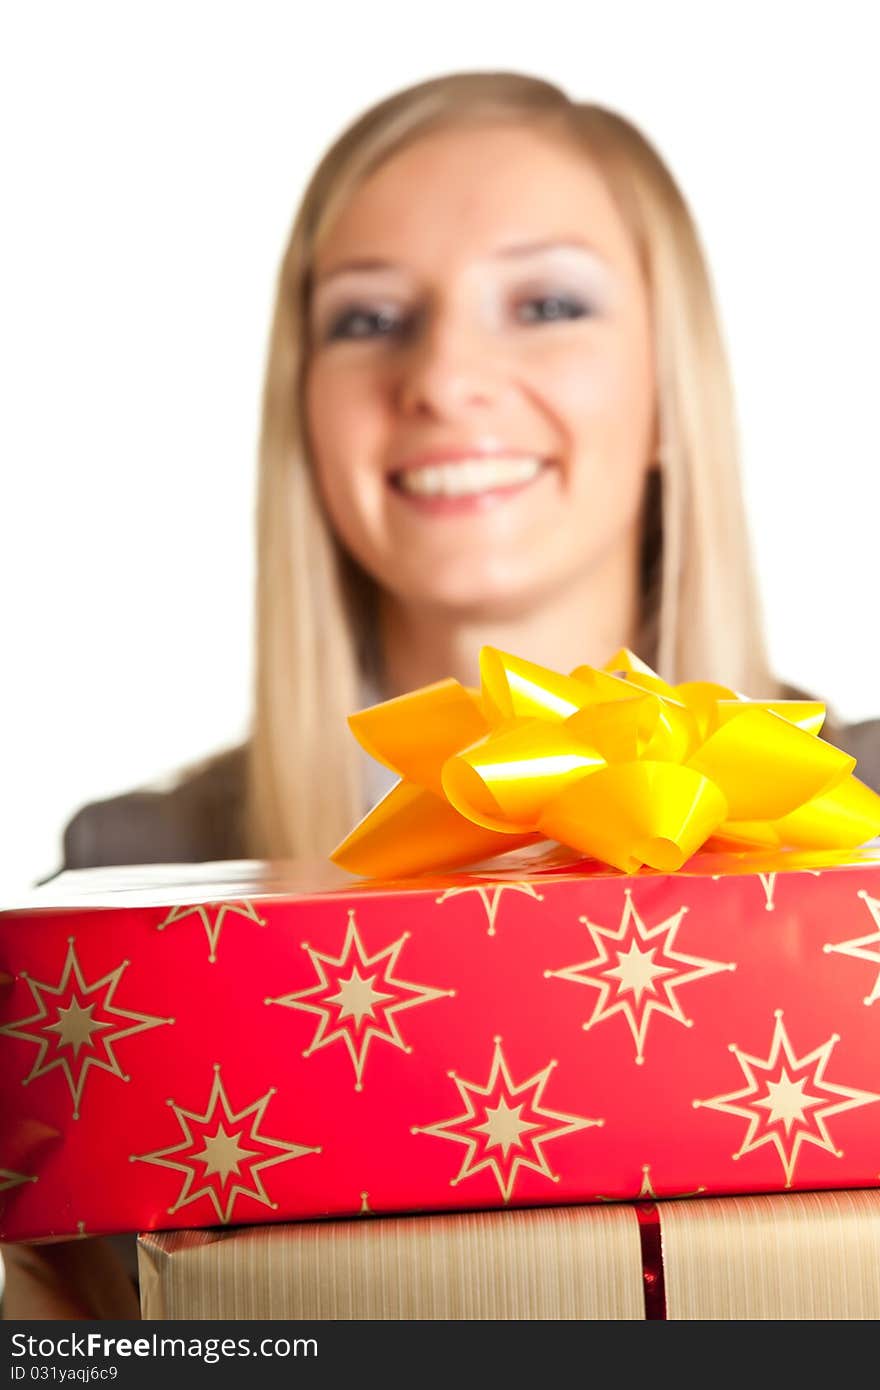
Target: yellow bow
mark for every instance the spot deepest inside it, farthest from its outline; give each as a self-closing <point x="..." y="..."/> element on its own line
<point x="612" y="762"/>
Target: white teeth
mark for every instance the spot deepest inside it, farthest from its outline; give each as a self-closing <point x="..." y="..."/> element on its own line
<point x="468" y="477"/>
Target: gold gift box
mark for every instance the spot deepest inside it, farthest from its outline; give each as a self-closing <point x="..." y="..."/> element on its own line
<point x="793" y="1256"/>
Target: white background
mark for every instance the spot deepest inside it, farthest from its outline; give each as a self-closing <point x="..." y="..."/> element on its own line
<point x="153" y="157"/>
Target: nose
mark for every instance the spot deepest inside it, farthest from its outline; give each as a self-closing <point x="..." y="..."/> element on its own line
<point x="448" y="369"/>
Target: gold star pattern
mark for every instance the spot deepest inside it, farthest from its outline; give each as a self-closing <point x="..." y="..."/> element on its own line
<point x="75" y="1026"/>
<point x="356" y="997"/>
<point x="490" y="895"/>
<point x="352" y="1007"/>
<point x="504" y="1125"/>
<point x="637" y="971"/>
<point x="646" y="1192"/>
<point x="786" y="1099"/>
<point x="222" y="1154"/>
<point x="213" y="925"/>
<point x="864" y="947"/>
<point x="8" y="1179"/>
<point x="768" y="883"/>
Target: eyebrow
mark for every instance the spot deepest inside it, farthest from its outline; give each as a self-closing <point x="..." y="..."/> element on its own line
<point x="512" y="252"/>
<point x="531" y="248"/>
<point x="347" y="267"/>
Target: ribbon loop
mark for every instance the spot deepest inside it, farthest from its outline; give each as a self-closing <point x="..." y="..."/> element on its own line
<point x="513" y="775"/>
<point x="414" y="734"/>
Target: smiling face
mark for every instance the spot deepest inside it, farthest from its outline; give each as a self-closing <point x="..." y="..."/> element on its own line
<point x="480" y="394"/>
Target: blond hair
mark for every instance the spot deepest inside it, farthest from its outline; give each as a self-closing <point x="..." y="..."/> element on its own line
<point x="700" y="615"/>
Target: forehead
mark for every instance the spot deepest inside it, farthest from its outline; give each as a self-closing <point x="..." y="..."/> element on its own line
<point x="460" y="194"/>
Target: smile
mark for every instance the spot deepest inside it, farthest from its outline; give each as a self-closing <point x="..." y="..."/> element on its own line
<point x="467" y="477"/>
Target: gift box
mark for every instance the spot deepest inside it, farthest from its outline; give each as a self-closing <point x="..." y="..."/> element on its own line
<point x="795" y="1256"/>
<point x="238" y="1045"/>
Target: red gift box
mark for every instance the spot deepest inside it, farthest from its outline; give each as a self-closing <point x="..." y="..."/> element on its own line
<point x="237" y="1049"/>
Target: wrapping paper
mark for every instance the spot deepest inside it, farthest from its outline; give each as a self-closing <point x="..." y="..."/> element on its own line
<point x="795" y="1256"/>
<point x="249" y="1047"/>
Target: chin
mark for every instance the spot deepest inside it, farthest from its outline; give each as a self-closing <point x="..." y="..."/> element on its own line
<point x="479" y="600"/>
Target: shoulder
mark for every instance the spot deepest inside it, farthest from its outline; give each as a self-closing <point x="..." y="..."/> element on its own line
<point x="862" y="742"/>
<point x="197" y="819"/>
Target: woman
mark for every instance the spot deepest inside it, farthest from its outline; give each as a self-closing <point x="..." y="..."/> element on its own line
<point x="496" y="410"/>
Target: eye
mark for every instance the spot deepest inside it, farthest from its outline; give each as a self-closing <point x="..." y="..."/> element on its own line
<point x="551" y="308"/>
<point x="360" y="322"/>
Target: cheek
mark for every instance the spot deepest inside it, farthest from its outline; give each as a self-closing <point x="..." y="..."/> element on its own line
<point x="345" y="429"/>
<point x="342" y="422"/>
<point x="328" y="418"/>
<point x="602" y="396"/>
